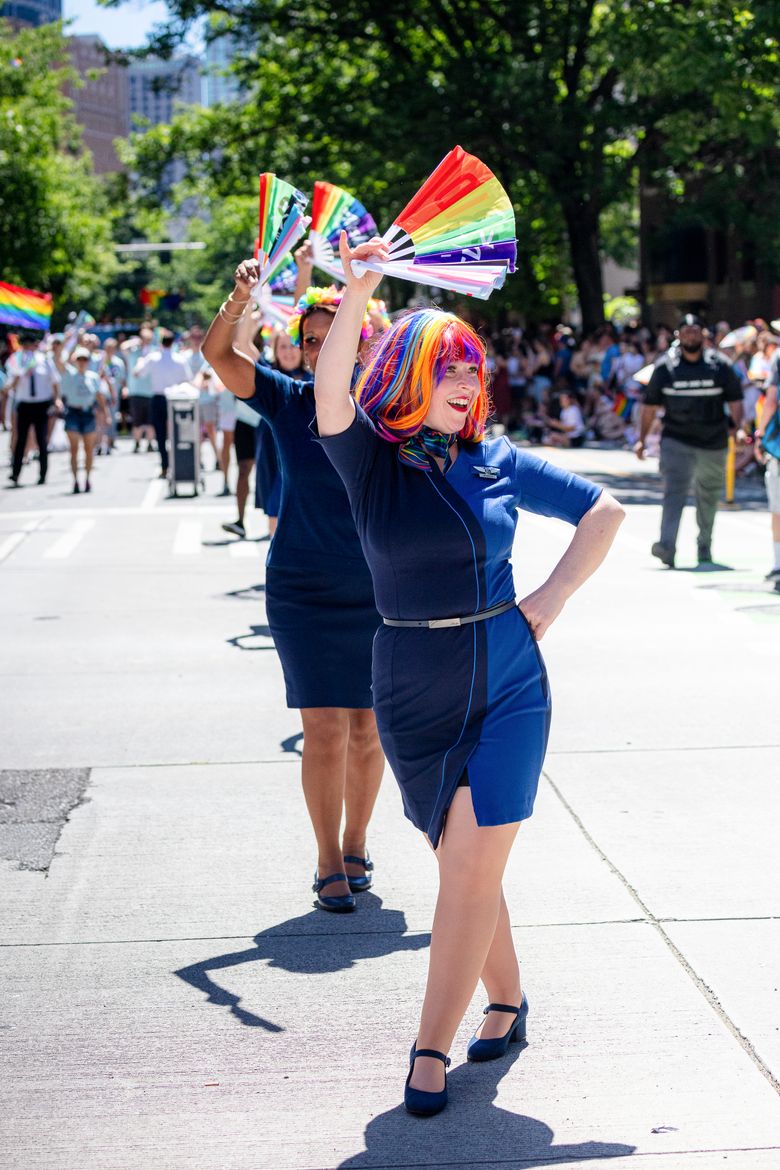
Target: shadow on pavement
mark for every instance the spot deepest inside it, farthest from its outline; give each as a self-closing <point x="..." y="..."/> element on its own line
<point x="336" y="946"/>
<point x="293" y="744"/>
<point x="245" y="641"/>
<point x="471" y="1131"/>
<point x="248" y="593"/>
<point x="646" y="488"/>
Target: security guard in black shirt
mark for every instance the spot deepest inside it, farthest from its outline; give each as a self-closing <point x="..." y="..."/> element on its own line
<point x="694" y="386"/>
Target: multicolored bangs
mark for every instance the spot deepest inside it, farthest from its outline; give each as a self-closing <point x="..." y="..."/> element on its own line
<point x="396" y="387"/>
<point x="328" y="299"/>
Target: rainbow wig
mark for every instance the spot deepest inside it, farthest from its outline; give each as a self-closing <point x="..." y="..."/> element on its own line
<point x="327" y="299"/>
<point x="396" y="386"/>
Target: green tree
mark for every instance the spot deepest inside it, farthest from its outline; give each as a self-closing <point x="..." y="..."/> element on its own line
<point x="563" y="99"/>
<point x="55" y="225"/>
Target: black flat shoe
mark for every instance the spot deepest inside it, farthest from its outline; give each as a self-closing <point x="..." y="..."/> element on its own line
<point x="359" y="884"/>
<point x="499" y="1045"/>
<point x="417" y="1101"/>
<point x="337" y="903"/>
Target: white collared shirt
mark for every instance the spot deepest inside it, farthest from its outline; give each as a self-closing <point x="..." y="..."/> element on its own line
<point x="165" y="369"/>
<point x="37" y="375"/>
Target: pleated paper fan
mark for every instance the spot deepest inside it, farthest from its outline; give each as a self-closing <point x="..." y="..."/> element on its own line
<point x="283" y="278"/>
<point x="281" y="221"/>
<point x="275" y="309"/>
<point x="457" y="232"/>
<point x="334" y="210"/>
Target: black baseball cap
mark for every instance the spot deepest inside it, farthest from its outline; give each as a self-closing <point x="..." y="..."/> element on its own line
<point x="690" y="319"/>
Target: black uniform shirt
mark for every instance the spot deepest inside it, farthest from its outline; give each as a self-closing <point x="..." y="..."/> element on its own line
<point x="694" y="395"/>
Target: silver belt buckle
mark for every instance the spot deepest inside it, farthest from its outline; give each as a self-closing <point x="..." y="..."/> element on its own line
<point x="440" y="623"/>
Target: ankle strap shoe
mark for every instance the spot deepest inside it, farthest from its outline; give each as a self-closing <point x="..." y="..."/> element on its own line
<point x="499" y="1045"/>
<point x="336" y="903"/>
<point x="417" y="1101"/>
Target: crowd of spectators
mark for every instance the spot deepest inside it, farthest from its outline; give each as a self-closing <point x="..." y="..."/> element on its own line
<point x="553" y="387"/>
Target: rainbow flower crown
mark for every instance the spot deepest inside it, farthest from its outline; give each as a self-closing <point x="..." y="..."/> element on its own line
<point x="330" y="298"/>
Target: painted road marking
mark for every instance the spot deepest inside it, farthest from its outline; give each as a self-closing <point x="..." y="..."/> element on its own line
<point x="189" y="538"/>
<point x="69" y="540"/>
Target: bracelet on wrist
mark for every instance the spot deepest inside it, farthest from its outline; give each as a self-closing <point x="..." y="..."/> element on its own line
<point x="229" y="317"/>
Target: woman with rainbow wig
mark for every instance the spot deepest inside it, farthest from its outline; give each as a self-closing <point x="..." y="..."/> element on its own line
<point x="319" y="595"/>
<point x="460" y="688"/>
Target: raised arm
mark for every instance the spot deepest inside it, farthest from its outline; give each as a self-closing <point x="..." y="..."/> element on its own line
<point x="220" y="348"/>
<point x="305" y="263"/>
<point x="333" y="376"/>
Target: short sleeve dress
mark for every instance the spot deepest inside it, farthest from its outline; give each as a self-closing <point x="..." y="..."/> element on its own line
<point x="319" y="593"/>
<point x="467" y="701"/>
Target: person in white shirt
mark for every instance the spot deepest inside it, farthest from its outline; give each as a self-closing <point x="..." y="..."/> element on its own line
<point x="34" y="380"/>
<point x="569" y="429"/>
<point x="192" y="352"/>
<point x="165" y="369"/>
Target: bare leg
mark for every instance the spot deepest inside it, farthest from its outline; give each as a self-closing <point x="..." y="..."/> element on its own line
<point x="242" y="486"/>
<point x="224" y="456"/>
<point x="89" y="449"/>
<point x="471" y="867"/>
<point x="323" y="772"/>
<point x="73" y="440"/>
<point x="365" y="765"/>
<point x="501" y="977"/>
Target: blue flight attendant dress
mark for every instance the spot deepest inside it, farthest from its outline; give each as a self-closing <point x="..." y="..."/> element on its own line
<point x="467" y="703"/>
<point x="319" y="594"/>
<point x="268" y="483"/>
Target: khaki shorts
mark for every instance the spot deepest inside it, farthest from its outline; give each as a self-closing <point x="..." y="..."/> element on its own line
<point x="772" y="482"/>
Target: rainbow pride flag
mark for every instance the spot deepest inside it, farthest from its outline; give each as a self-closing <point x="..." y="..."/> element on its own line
<point x="24" y="307"/>
<point x="623" y="406"/>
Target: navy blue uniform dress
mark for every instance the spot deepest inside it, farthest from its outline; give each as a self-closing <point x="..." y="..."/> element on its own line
<point x="268" y="483"/>
<point x="319" y="595"/>
<point x="470" y="699"/>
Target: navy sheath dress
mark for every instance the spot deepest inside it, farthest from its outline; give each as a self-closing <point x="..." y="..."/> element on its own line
<point x="465" y="702"/>
<point x="268" y="483"/>
<point x="319" y="594"/>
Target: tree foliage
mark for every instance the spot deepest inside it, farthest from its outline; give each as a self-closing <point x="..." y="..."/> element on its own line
<point x="55" y="227"/>
<point x="566" y="100"/>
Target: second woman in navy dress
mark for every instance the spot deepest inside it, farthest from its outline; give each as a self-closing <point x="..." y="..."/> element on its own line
<point x="460" y="689"/>
<point x="319" y="598"/>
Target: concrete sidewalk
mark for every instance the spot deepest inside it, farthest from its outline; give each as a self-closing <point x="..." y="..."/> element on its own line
<point x="173" y="1000"/>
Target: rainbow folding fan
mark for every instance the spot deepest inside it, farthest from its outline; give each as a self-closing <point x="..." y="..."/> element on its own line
<point x="457" y="232"/>
<point x="275" y="309"/>
<point x="334" y="210"/>
<point x="282" y="222"/>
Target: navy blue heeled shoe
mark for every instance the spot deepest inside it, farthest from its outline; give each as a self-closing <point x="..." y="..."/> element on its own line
<point x="359" y="884"/>
<point x="499" y="1045"/>
<point x="336" y="903"/>
<point x="417" y="1100"/>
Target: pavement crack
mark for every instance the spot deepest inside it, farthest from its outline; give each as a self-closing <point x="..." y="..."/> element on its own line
<point x="657" y="925"/>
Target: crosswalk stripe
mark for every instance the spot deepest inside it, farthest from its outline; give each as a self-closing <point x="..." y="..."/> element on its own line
<point x="69" y="540"/>
<point x="187" y="541"/>
<point x="244" y="548"/>
<point x="10" y="543"/>
<point x="153" y="495"/>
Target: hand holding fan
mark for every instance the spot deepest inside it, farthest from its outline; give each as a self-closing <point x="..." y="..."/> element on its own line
<point x="281" y="222"/>
<point x="457" y="232"/>
<point x="334" y="210"/>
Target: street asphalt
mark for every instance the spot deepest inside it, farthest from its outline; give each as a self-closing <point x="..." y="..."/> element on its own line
<point x="172" y="1000"/>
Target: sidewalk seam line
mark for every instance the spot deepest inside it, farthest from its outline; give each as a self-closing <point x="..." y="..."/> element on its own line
<point x="656" y="923"/>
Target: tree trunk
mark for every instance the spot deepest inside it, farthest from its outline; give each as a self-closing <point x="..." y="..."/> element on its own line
<point x="582" y="226"/>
